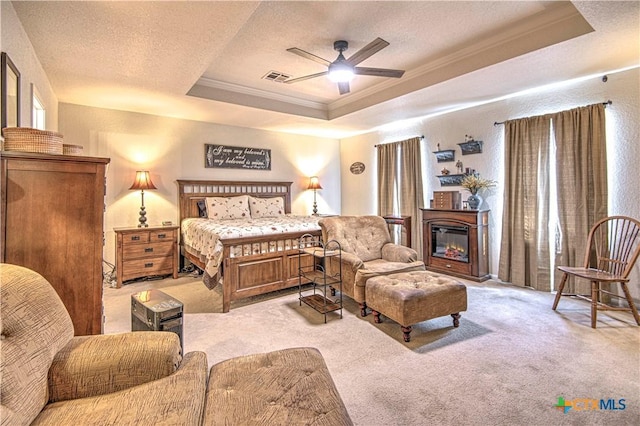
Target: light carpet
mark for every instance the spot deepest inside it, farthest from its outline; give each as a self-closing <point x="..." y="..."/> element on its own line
<point x="507" y="364"/>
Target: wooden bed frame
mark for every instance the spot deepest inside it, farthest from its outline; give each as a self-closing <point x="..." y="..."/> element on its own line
<point x="251" y="265"/>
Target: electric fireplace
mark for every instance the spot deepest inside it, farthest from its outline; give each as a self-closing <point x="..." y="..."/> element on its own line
<point x="456" y="242"/>
<point x="450" y="242"/>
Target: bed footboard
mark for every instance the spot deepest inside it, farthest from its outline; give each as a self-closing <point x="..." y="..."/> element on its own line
<point x="258" y="266"/>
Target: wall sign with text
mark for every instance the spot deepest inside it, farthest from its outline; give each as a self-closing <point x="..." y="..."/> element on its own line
<point x="236" y="157"/>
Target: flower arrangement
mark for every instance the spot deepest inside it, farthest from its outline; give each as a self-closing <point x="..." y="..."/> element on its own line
<point x="474" y="183"/>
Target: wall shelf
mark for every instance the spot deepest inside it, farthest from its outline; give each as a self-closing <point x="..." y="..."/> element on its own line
<point x="471" y="147"/>
<point x="451" y="180"/>
<point x="445" y="156"/>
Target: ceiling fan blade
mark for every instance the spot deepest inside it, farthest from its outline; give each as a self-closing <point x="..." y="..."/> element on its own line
<point x="379" y="72"/>
<point x="306" y="77"/>
<point x="308" y="55"/>
<point x="371" y="48"/>
<point x="344" y="87"/>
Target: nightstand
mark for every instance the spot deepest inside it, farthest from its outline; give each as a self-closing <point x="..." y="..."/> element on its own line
<point x="144" y="252"/>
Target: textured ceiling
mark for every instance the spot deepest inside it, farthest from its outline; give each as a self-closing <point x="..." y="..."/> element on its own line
<point x="204" y="60"/>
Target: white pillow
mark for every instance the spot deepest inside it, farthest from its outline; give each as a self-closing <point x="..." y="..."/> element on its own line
<point x="266" y="207"/>
<point x="228" y="207"/>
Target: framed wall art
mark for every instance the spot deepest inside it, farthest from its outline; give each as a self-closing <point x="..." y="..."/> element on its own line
<point x="9" y="93"/>
<point x="236" y="157"/>
<point x="357" y="168"/>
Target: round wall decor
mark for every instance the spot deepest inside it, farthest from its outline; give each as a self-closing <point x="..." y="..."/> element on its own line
<point x="357" y="168"/>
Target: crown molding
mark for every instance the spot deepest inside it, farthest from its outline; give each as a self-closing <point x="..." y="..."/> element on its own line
<point x="259" y="93"/>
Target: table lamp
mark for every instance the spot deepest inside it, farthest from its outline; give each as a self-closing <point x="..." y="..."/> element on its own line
<point x="314" y="183"/>
<point x="142" y="182"/>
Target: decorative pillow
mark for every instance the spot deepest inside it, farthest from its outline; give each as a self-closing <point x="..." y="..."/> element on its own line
<point x="202" y="208"/>
<point x="266" y="207"/>
<point x="228" y="207"/>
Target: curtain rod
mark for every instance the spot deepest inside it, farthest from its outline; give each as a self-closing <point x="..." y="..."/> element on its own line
<point x="609" y="102"/>
<point x="377" y="145"/>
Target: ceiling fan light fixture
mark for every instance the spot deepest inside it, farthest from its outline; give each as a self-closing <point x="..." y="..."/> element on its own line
<point x="340" y="72"/>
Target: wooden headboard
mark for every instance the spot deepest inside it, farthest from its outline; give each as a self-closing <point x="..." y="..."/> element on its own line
<point x="192" y="191"/>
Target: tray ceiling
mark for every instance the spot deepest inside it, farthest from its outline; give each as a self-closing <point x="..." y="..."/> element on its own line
<point x="206" y="60"/>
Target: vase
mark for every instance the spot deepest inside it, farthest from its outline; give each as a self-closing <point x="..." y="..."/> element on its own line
<point x="474" y="201"/>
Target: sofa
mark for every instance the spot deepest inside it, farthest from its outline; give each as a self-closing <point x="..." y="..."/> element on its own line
<point x="367" y="251"/>
<point x="48" y="376"/>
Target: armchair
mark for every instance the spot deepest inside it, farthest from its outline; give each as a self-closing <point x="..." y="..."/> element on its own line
<point x="367" y="251"/>
<point x="51" y="377"/>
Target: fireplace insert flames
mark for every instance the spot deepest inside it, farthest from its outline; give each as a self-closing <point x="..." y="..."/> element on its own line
<point x="450" y="242"/>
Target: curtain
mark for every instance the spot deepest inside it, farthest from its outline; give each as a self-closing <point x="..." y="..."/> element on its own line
<point x="400" y="188"/>
<point x="410" y="189"/>
<point x="580" y="189"/>
<point x="387" y="171"/>
<point x="581" y="161"/>
<point x="524" y="250"/>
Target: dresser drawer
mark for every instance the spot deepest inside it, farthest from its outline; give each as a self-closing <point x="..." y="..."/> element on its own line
<point x="450" y="265"/>
<point x="150" y="266"/>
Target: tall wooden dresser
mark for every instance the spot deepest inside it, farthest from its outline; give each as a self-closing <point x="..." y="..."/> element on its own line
<point x="52" y="222"/>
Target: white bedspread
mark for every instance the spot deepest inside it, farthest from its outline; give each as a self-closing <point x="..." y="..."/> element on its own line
<point x="203" y="235"/>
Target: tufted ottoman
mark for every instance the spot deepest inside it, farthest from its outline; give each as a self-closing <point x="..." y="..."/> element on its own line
<point x="412" y="297"/>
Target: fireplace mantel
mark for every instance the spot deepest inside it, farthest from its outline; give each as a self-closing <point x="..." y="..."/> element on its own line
<point x="470" y="236"/>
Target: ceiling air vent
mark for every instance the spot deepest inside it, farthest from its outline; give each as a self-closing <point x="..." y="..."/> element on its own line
<point x="276" y="76"/>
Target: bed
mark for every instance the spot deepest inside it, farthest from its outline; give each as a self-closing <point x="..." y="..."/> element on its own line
<point x="247" y="259"/>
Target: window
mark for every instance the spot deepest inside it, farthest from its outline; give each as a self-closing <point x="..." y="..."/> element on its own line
<point x="38" y="112"/>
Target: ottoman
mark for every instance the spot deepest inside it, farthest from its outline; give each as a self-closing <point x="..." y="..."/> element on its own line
<point x="412" y="297"/>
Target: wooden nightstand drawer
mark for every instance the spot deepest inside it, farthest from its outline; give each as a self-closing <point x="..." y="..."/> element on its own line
<point x="135" y="237"/>
<point x="162" y="235"/>
<point x="145" y="267"/>
<point x="136" y="251"/>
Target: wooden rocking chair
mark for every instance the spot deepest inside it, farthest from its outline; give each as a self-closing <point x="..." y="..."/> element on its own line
<point x="613" y="247"/>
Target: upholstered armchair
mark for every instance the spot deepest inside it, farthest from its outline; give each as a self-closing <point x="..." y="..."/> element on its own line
<point x="367" y="251"/>
<point x="48" y="376"/>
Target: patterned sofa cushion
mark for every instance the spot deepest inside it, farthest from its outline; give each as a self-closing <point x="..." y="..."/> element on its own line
<point x="286" y="387"/>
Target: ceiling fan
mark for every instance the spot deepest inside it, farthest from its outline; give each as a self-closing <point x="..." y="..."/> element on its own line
<point x="342" y="70"/>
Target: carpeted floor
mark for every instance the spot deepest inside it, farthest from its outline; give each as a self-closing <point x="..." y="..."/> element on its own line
<point x="507" y="364"/>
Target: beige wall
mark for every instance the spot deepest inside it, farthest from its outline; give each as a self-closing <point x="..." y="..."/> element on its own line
<point x="14" y="41"/>
<point x="173" y="149"/>
<point x="623" y="134"/>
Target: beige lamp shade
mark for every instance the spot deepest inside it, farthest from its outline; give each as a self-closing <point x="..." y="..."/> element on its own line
<point x="142" y="181"/>
<point x="314" y="183"/>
